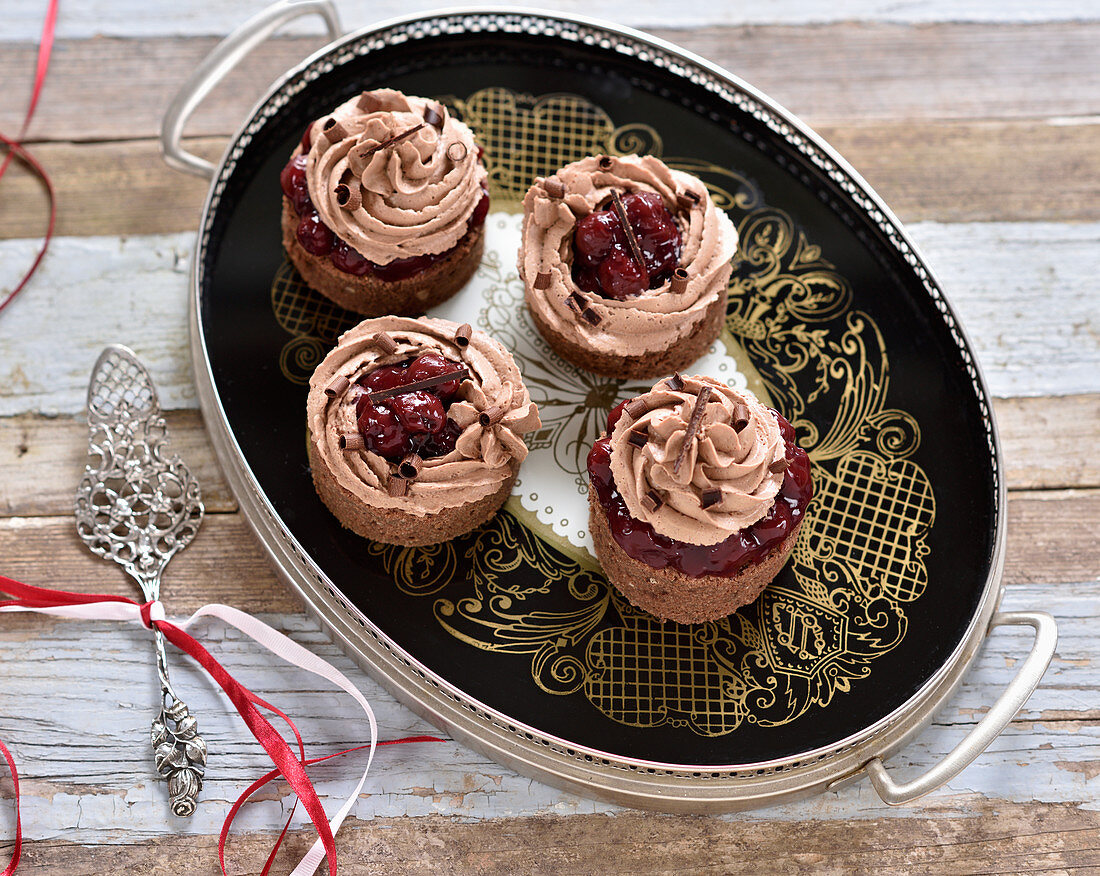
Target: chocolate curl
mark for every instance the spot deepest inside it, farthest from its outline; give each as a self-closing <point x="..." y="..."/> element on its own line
<point x="554" y="187"/>
<point x="337" y="387"/>
<point x="687" y="201"/>
<point x="457" y="152"/>
<point x="591" y="317"/>
<point x="651" y="501"/>
<point x="397" y="487"/>
<point x="679" y="281"/>
<point x="334" y="131"/>
<point x="542" y="280"/>
<point x="638" y="438"/>
<point x="433" y="116"/>
<point x="709" y="498"/>
<point x="351" y="441"/>
<point x="636" y="408"/>
<point x="463" y="334"/>
<point x="675" y="382"/>
<point x="368" y="102"/>
<point x="491" y="416"/>
<point x="605" y="162"/>
<point x="385" y="343"/>
<point x="349" y="198"/>
<point x="410" y="466"/>
<point x="740" y="417"/>
<point x="635" y="247"/>
<point x="693" y="425"/>
<point x="576" y="302"/>
<point x="427" y="383"/>
<point x="779" y="465"/>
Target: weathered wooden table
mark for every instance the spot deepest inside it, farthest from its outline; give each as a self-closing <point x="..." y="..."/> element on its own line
<point x="984" y="137"/>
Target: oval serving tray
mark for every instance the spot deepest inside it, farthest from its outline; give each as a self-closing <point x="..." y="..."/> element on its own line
<point x="509" y="638"/>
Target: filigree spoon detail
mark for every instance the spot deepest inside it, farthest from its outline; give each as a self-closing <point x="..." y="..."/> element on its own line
<point x="138" y="508"/>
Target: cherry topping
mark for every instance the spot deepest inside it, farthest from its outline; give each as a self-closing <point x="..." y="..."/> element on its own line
<point x="400" y="269"/>
<point x="481" y="210"/>
<point x="383" y="432"/>
<point x="293" y="181"/>
<point x="420" y="412"/>
<point x="431" y="365"/>
<point x="603" y="262"/>
<point x="315" y="237"/>
<point x="442" y="442"/>
<point x="385" y="377"/>
<point x="306" y="137"/>
<point x="349" y="260"/>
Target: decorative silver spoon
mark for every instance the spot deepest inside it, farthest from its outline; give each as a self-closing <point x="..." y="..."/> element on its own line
<point x="138" y="508"/>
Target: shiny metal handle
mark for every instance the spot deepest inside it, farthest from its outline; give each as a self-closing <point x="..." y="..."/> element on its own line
<point x="225" y="56"/>
<point x="990" y="727"/>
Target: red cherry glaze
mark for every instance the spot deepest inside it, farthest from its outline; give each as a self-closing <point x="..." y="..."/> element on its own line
<point x="315" y="237"/>
<point x="724" y="559"/>
<point x="442" y="442"/>
<point x="349" y="261"/>
<point x="477" y="218"/>
<point x="429" y="365"/>
<point x="603" y="262"/>
<point x="307" y="138"/>
<point x="382" y="431"/>
<point x="385" y="377"/>
<point x="401" y="269"/>
<point x="420" y="412"/>
<point x="293" y="182"/>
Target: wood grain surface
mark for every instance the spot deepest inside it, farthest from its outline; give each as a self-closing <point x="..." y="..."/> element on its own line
<point x="978" y="122"/>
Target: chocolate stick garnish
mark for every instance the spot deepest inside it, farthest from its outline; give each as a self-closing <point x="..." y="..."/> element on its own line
<point x="349" y="197"/>
<point x="635" y="247"/>
<point x="385" y="343"/>
<point x="459" y="373"/>
<point x="397" y="487"/>
<point x="692" y="426"/>
<point x="635" y="408"/>
<point x="390" y="141"/>
<point x="638" y="438"/>
<point x="463" y="334"/>
<point x="334" y="131"/>
<point x="687" y="200"/>
<point x="410" y="466"/>
<point x="651" y="501"/>
<point x="491" y="416"/>
<point x="542" y="280"/>
<point x="779" y="465"/>
<point x="710" y="497"/>
<point x="679" y="281"/>
<point x="456" y="152"/>
<point x="351" y="441"/>
<point x="553" y="187"/>
<point x="337" y="387"/>
<point x="591" y="317"/>
<point x="675" y="382"/>
<point x="605" y="162"/>
<point x="740" y="417"/>
<point x="433" y="116"/>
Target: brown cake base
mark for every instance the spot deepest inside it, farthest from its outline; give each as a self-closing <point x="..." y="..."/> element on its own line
<point x="655" y="364"/>
<point x="373" y="296"/>
<point x="393" y="526"/>
<point x="669" y="593"/>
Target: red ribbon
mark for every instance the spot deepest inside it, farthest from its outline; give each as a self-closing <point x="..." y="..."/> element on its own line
<point x="291" y="767"/>
<point x="16" y="150"/>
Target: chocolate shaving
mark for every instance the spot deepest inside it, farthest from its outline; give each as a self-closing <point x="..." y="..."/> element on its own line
<point x="463" y="334"/>
<point x="572" y="304"/>
<point x="651" y="501"/>
<point x="740" y="417"/>
<point x="605" y="162"/>
<point x="679" y="281"/>
<point x="459" y="373"/>
<point x="635" y="247"/>
<point x="337" y="387"/>
<point x="334" y="131"/>
<point x="433" y="116"/>
<point x="542" y="280"/>
<point x="779" y="465"/>
<point x="693" y="425"/>
<point x="385" y="343"/>
<point x="635" y="408"/>
<point x="392" y="141"/>
<point x="675" y="382"/>
<point x="410" y="466"/>
<point x="710" y="498"/>
<point x="368" y="102"/>
<point x="456" y="152"/>
<point x="687" y="200"/>
<point x="351" y="441"/>
<point x="591" y="317"/>
<point x="349" y="197"/>
<point x="638" y="438"/>
<point x="397" y="487"/>
<point x="491" y="416"/>
<point x="554" y="187"/>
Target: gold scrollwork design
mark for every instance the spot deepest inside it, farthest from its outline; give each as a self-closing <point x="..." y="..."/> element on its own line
<point x="635" y="139"/>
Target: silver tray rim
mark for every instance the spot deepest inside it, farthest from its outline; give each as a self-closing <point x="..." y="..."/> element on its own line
<point x="639" y="783"/>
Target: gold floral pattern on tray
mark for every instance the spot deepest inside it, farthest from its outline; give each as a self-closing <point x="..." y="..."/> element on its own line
<point x="522" y="588"/>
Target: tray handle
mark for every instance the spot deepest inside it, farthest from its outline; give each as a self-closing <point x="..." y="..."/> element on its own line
<point x="224" y="57"/>
<point x="987" y="729"/>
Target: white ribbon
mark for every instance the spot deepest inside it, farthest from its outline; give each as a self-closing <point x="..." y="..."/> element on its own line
<point x="274" y="641"/>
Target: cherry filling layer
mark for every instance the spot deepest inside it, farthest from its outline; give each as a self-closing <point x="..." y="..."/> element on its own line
<point x="319" y="240"/>
<point x="603" y="260"/>
<point x="412" y="422"/>
<point x="725" y="559"/>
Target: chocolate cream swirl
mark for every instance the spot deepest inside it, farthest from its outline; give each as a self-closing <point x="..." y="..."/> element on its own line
<point x="411" y="198"/>
<point x="484" y="456"/>
<point x="656" y="319"/>
<point x="718" y="457"/>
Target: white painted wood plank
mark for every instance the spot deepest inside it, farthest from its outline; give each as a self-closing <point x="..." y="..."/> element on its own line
<point x="1027" y="293"/>
<point x="133" y="18"/>
<point x="78" y="728"/>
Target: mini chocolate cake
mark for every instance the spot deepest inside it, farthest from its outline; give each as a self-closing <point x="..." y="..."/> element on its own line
<point x="698" y="492"/>
<point x="416" y="429"/>
<point x="384" y="204"/>
<point x="625" y="264"/>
